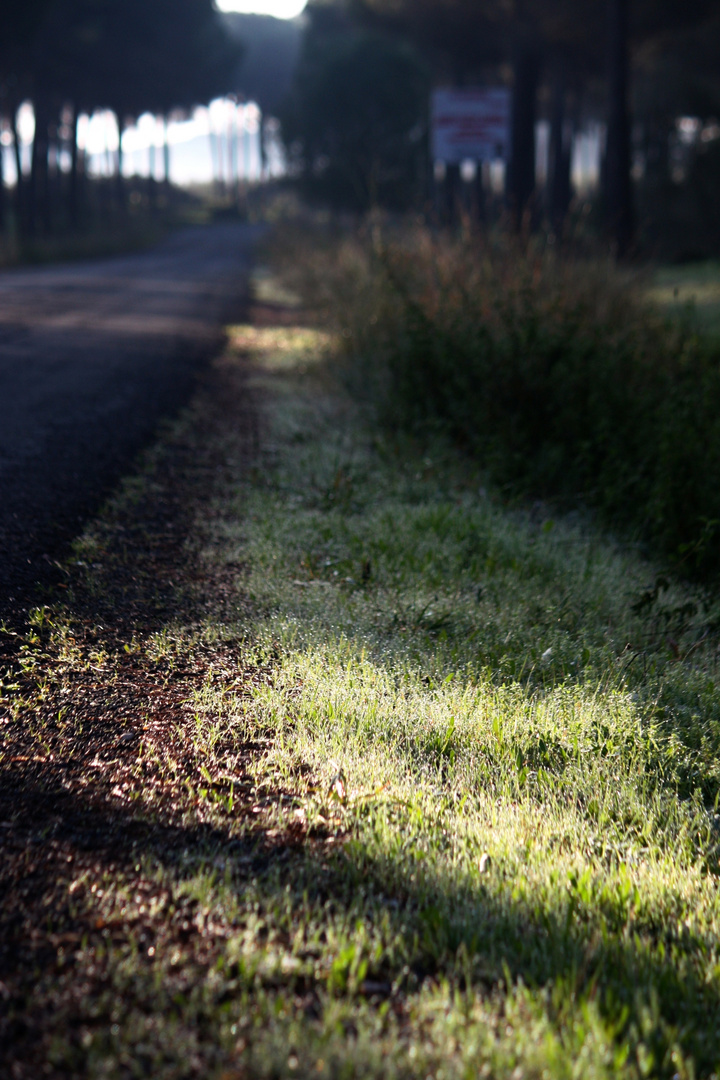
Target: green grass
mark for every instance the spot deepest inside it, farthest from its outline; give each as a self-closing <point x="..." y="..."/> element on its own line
<point x="528" y="776"/>
<point x="692" y="290"/>
<point x="495" y="739"/>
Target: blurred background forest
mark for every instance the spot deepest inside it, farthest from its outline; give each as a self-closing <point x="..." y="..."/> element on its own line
<point x="615" y="130"/>
<point x="615" y="106"/>
<point x="104" y="109"/>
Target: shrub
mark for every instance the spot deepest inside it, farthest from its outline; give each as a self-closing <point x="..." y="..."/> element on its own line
<point x="555" y="372"/>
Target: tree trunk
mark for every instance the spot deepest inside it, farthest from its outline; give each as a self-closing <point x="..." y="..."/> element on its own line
<point x="479" y="200"/>
<point x="3" y="194"/>
<point x="453" y="190"/>
<point x="166" y="155"/>
<point x="20" y="210"/>
<point x="120" y="179"/>
<point x="235" y="136"/>
<point x="263" y="148"/>
<point x="246" y="149"/>
<point x="215" y="152"/>
<point x="618" y="193"/>
<point x="53" y="179"/>
<point x="230" y="155"/>
<point x="38" y="194"/>
<point x="560" y="187"/>
<point x="151" y="174"/>
<point x="73" y="188"/>
<point x="521" y="167"/>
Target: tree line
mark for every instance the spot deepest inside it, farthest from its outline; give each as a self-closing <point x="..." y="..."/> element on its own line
<point x="635" y="66"/>
<point x="70" y="57"/>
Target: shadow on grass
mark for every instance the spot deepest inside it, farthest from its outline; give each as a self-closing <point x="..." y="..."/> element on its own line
<point x="60" y="850"/>
<point x="647" y="987"/>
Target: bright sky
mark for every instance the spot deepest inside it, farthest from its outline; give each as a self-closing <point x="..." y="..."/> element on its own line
<point x="282" y="9"/>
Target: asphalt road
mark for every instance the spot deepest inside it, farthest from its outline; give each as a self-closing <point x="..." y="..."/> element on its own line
<point x="92" y="356"/>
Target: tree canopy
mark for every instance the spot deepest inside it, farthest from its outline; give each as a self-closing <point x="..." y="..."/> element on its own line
<point x="356" y="118"/>
<point x="129" y="56"/>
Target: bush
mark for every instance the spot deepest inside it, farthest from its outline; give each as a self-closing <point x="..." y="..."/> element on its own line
<point x="555" y="372"/>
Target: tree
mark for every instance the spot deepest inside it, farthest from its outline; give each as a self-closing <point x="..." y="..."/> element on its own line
<point x="677" y="74"/>
<point x="620" y="218"/>
<point x="356" y="121"/>
<point x="630" y="27"/>
<point x="469" y="40"/>
<point x="555" y="44"/>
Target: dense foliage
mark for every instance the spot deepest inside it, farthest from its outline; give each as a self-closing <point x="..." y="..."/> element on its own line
<point x="556" y="374"/>
<point x="356" y="122"/>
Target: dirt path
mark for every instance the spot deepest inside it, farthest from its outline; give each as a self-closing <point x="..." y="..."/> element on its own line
<point x="92" y="356"/>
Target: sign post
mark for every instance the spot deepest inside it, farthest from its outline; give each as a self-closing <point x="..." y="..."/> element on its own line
<point x="469" y="125"/>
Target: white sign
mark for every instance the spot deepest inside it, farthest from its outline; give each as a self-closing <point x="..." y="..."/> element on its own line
<point x="470" y="124"/>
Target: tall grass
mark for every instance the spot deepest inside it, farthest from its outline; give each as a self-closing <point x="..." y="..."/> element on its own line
<point x="555" y="372"/>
